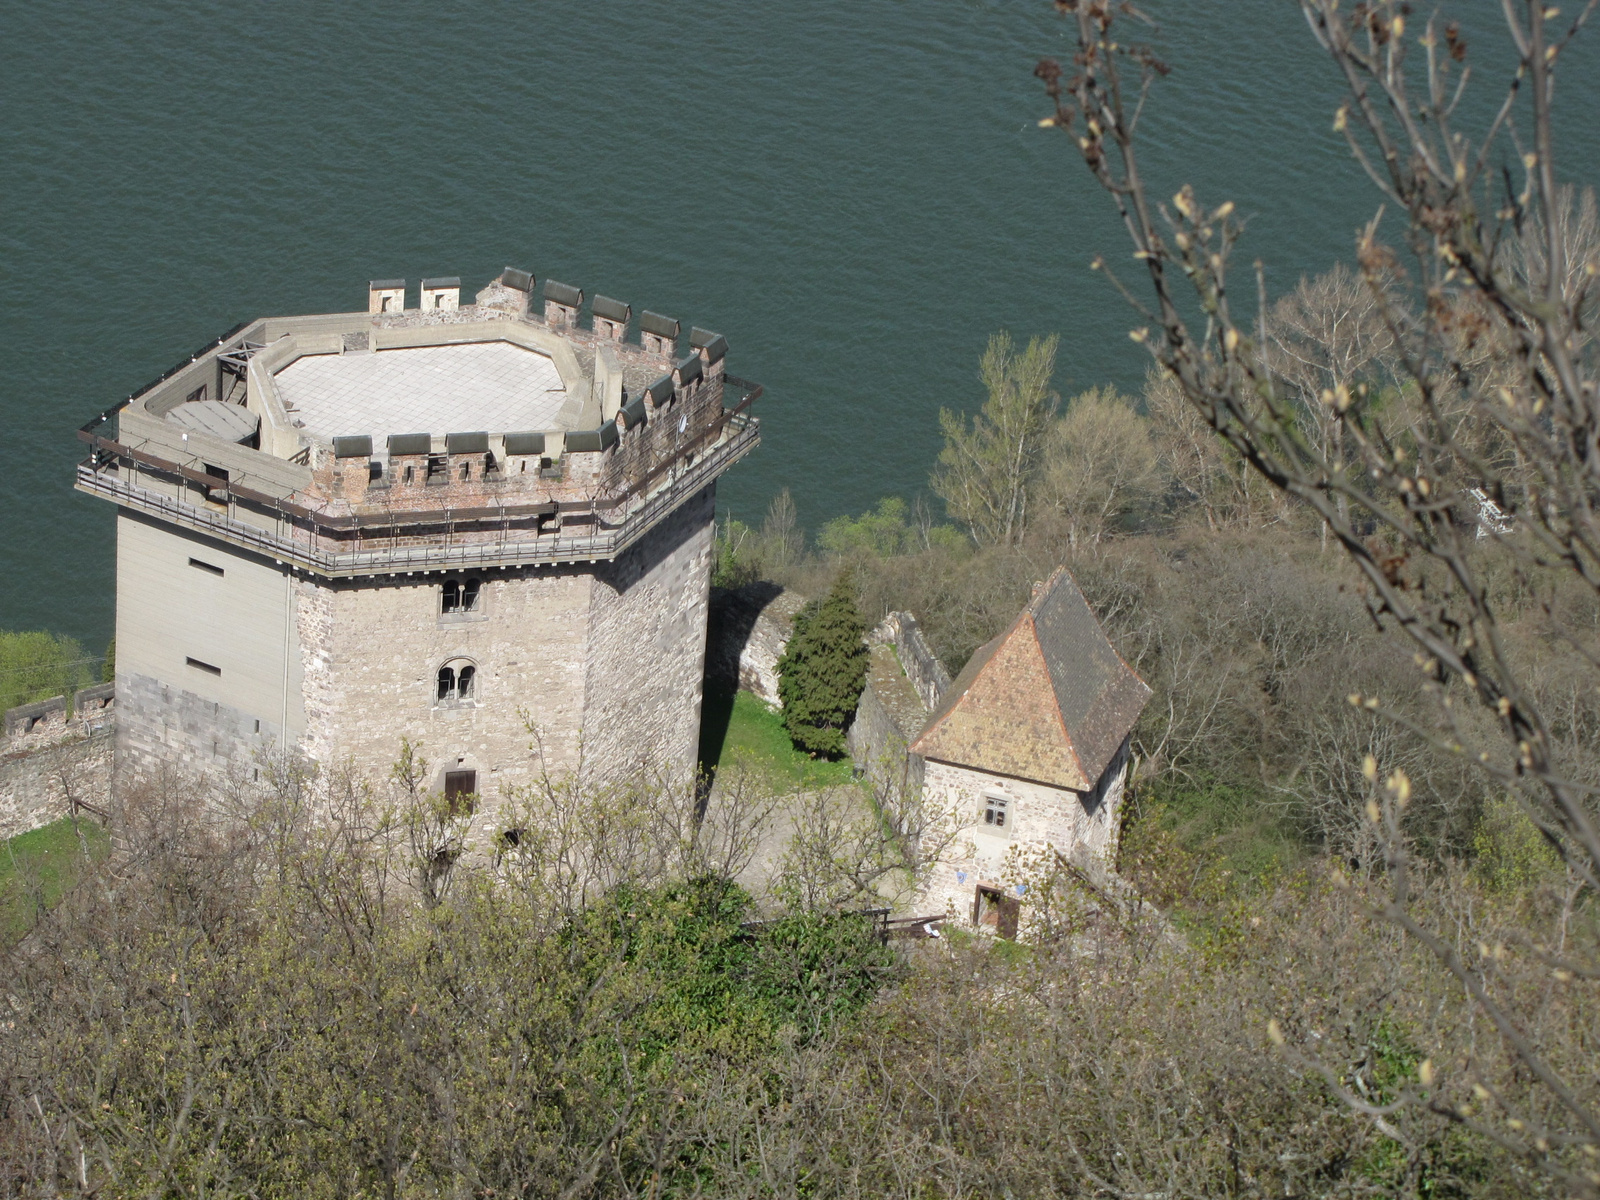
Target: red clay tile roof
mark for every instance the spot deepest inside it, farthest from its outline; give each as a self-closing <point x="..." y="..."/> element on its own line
<point x="1050" y="699"/>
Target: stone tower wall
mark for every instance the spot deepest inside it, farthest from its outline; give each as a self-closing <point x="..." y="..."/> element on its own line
<point x="647" y="649"/>
<point x="184" y="599"/>
<point x="372" y="651"/>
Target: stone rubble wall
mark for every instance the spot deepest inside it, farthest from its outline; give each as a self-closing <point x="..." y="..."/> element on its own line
<point x="749" y="628"/>
<point x="889" y="716"/>
<point x="61" y="761"/>
<point x="922" y="668"/>
<point x="905" y="680"/>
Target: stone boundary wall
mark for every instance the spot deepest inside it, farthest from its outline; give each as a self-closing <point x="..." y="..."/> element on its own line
<point x="923" y="670"/>
<point x="888" y="716"/>
<point x="61" y="762"/>
<point x="748" y="629"/>
<point x="905" y="680"/>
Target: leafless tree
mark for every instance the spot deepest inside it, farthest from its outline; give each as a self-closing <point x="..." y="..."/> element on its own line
<point x="1328" y="335"/>
<point x="1100" y="465"/>
<point x="1489" y="293"/>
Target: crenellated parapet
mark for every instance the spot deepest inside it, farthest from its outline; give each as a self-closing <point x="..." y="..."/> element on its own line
<point x="500" y="432"/>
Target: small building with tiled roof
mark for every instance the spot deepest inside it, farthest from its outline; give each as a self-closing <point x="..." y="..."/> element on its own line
<point x="1028" y="747"/>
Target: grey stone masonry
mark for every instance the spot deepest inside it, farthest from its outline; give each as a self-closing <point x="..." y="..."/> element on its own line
<point x="749" y="627"/>
<point x="485" y="529"/>
<point x="61" y="767"/>
<point x="904" y="682"/>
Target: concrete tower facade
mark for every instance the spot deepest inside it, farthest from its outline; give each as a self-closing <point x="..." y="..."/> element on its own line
<point x="451" y="524"/>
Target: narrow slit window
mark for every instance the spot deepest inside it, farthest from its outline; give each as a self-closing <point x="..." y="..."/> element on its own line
<point x="208" y="668"/>
<point x="201" y="565"/>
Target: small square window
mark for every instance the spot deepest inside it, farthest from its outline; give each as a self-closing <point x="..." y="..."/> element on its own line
<point x="460" y="595"/>
<point x="996" y="811"/>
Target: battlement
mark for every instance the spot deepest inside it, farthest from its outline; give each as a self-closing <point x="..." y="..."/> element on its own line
<point x="361" y="443"/>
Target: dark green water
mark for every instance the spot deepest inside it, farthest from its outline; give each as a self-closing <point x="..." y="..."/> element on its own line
<point x="854" y="191"/>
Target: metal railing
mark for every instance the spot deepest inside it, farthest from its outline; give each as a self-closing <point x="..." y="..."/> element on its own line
<point x="742" y="433"/>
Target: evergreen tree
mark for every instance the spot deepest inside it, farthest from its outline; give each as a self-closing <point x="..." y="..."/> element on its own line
<point x="822" y="671"/>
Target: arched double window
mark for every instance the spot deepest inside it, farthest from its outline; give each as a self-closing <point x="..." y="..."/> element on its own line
<point x="456" y="683"/>
<point x="460" y="595"/>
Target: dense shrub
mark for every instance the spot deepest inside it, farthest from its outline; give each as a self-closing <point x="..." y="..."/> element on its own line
<point x="822" y="670"/>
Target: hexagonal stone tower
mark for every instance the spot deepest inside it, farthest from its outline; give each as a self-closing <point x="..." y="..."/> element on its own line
<point x="447" y="523"/>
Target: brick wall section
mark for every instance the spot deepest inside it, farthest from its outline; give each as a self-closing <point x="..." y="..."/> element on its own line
<point x="38" y="771"/>
<point x="659" y="439"/>
<point x="647" y="648"/>
<point x="1040" y="818"/>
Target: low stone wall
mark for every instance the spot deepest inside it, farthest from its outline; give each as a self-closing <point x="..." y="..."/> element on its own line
<point x="745" y="637"/>
<point x="905" y="680"/>
<point x="888" y="716"/>
<point x="61" y="763"/>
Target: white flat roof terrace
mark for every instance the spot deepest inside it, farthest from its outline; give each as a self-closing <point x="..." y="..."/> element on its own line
<point x="492" y="386"/>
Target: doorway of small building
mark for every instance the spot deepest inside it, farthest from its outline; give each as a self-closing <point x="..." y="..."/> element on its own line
<point x="992" y="909"/>
<point x="460" y="791"/>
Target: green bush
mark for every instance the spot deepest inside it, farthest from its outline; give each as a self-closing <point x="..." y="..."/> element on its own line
<point x="822" y="671"/>
<point x="1510" y="854"/>
<point x="884" y="532"/>
<point x="37" y="665"/>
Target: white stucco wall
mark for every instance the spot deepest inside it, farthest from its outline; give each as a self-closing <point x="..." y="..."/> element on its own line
<point x="1040" y="819"/>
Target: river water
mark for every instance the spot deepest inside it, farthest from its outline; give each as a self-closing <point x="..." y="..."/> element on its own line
<point x="856" y="192"/>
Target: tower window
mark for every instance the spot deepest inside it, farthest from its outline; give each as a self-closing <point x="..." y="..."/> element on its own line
<point x="460" y="595"/>
<point x="466" y="472"/>
<point x="995" y="810"/>
<point x="198" y="665"/>
<point x="456" y="683"/>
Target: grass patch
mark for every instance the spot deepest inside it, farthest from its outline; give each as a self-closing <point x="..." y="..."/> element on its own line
<point x="741" y="729"/>
<point x="1225" y="823"/>
<point x="38" y="867"/>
